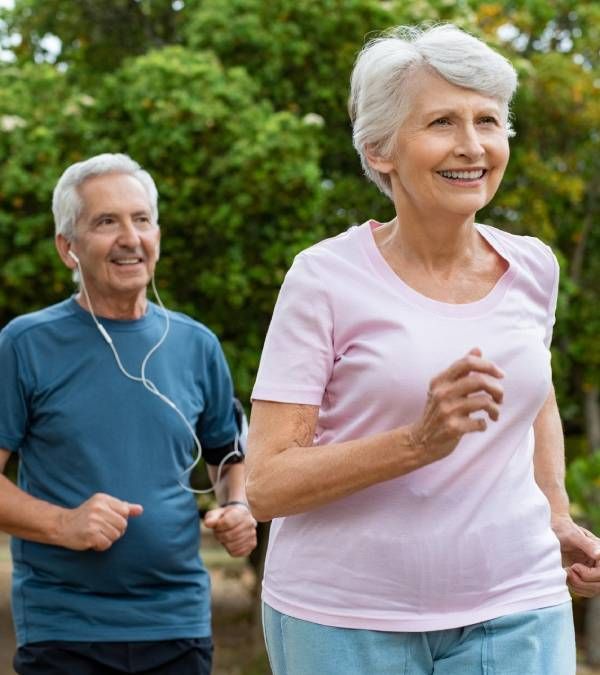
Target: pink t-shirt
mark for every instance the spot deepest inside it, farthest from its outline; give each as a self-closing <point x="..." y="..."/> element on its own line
<point x="453" y="543"/>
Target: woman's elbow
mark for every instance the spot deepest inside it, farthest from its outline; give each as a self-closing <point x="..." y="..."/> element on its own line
<point x="258" y="497"/>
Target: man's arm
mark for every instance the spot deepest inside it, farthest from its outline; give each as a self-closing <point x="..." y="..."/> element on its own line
<point x="580" y="548"/>
<point x="95" y="524"/>
<point x="232" y="523"/>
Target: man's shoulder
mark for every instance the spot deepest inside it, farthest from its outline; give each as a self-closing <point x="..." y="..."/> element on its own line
<point x="189" y="327"/>
<point x="25" y="323"/>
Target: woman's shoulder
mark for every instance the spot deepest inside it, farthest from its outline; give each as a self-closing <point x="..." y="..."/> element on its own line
<point x="526" y="251"/>
<point x="326" y="256"/>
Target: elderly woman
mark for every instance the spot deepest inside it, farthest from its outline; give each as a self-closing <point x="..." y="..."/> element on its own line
<point x="405" y="434"/>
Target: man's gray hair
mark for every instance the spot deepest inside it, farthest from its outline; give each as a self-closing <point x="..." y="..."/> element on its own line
<point x="67" y="204"/>
<point x="380" y="92"/>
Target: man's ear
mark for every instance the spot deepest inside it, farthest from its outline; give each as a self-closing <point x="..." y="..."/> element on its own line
<point x="63" y="246"/>
<point x="376" y="161"/>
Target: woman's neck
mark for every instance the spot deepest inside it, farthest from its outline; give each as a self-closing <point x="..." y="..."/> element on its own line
<point x="432" y="244"/>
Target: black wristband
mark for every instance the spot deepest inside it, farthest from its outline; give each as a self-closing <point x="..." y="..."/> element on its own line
<point x="235" y="502"/>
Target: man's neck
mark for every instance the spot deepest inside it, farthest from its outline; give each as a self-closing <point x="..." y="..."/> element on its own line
<point x="126" y="308"/>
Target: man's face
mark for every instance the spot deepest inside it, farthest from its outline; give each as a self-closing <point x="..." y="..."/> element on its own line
<point x="115" y="239"/>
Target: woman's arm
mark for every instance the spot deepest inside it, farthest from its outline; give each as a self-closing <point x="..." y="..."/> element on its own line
<point x="580" y="548"/>
<point x="286" y="474"/>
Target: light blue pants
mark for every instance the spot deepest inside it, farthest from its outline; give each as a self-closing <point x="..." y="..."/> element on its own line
<point x="541" y="642"/>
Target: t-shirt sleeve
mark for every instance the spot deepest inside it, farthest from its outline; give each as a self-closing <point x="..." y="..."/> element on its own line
<point x="298" y="353"/>
<point x="551" y="316"/>
<point x="216" y="425"/>
<point x="14" y="413"/>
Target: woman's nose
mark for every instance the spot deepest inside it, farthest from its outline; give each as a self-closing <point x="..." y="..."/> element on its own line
<point x="468" y="143"/>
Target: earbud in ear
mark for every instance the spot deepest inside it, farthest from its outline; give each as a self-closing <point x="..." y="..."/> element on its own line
<point x="75" y="258"/>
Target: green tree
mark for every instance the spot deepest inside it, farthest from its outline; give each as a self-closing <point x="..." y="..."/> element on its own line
<point x="238" y="108"/>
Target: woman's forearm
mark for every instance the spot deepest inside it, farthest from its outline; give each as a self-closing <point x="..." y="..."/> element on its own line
<point x="304" y="477"/>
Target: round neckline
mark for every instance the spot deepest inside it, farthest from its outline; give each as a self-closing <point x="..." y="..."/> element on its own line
<point x="448" y="309"/>
<point x="114" y="324"/>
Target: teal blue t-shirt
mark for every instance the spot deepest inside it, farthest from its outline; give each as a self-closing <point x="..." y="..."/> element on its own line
<point x="81" y="427"/>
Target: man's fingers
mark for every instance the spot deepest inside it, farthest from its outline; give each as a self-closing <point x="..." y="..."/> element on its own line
<point x="235" y="539"/>
<point x="135" y="510"/>
<point x="240" y="545"/>
<point x="120" y="507"/>
<point x="112" y="531"/>
<point x="102" y="542"/>
<point x="212" y="517"/>
<point x="237" y="531"/>
<point x="242" y="549"/>
<point x="233" y="519"/>
<point x="225" y="518"/>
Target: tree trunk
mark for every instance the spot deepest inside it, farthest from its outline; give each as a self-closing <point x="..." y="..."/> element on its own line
<point x="592" y="630"/>
<point x="592" y="418"/>
<point x="592" y="612"/>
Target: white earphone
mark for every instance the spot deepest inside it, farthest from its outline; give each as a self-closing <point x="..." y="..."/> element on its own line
<point x="152" y="388"/>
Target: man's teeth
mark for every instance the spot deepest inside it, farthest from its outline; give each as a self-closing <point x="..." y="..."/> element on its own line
<point x="127" y="261"/>
<point x="463" y="175"/>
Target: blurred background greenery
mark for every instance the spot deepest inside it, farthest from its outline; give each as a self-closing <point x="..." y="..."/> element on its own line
<point x="238" y="110"/>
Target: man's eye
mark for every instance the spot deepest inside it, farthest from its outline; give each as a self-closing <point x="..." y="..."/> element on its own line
<point x="441" y="122"/>
<point x="488" y="119"/>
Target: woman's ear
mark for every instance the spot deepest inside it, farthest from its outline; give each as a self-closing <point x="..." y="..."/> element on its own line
<point x="376" y="161"/>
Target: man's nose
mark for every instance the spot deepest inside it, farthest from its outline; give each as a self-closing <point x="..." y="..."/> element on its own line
<point x="128" y="233"/>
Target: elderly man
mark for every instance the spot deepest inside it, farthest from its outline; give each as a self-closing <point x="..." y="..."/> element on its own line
<point x="101" y="408"/>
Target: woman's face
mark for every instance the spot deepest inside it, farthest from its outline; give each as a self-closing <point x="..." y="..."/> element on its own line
<point x="450" y="152"/>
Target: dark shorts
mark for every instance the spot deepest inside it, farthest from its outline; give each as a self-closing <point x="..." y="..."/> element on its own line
<point x="168" y="657"/>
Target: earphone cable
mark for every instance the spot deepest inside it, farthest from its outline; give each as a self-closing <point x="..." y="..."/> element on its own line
<point x="152" y="388"/>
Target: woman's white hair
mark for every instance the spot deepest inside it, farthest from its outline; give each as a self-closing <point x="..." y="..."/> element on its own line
<point x="380" y="92"/>
<point x="67" y="204"/>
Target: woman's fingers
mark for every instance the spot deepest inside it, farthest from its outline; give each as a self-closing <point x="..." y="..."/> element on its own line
<point x="477" y="382"/>
<point x="468" y="364"/>
<point x="478" y="403"/>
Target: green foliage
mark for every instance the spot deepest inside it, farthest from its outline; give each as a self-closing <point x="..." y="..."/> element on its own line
<point x="583" y="484"/>
<point x="238" y="109"/>
<point x="239" y="186"/>
<point x="92" y="39"/>
<point x="39" y="130"/>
